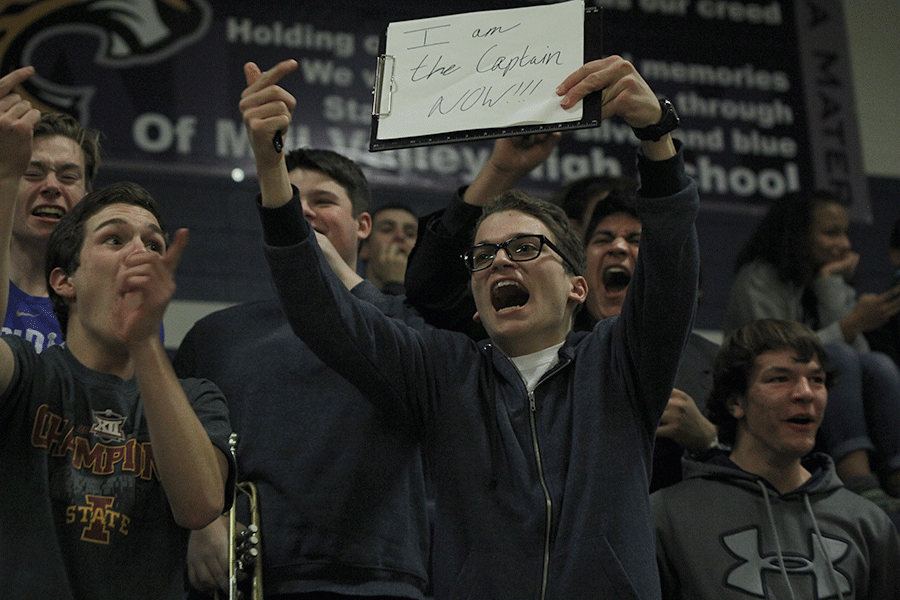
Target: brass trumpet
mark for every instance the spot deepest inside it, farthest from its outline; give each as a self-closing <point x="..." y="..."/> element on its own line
<point x="244" y="551"/>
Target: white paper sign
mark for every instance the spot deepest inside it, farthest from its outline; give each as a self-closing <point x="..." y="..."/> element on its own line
<point x="480" y="70"/>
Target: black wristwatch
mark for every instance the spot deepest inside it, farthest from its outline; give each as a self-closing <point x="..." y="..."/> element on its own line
<point x="668" y="122"/>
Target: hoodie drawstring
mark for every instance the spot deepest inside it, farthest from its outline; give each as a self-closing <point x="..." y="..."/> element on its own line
<point x="821" y="540"/>
<point x="781" y="566"/>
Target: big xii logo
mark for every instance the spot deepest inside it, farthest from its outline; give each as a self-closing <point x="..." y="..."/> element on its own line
<point x="129" y="33"/>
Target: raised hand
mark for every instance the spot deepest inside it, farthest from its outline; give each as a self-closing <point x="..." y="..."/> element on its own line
<point x="523" y="153"/>
<point x="17" y="121"/>
<point x="845" y="267"/>
<point x="625" y="93"/>
<point x="390" y="264"/>
<point x="683" y="423"/>
<point x="145" y="285"/>
<point x="511" y="159"/>
<point x="266" y="109"/>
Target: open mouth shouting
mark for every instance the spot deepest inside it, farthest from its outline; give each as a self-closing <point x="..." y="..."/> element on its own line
<point x="508" y="294"/>
<point x="616" y="279"/>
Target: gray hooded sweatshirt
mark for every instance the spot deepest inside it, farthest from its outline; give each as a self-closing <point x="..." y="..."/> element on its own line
<point x="723" y="534"/>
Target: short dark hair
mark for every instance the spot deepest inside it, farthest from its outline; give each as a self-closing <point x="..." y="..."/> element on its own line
<point x="393" y="206"/>
<point x="61" y="124"/>
<point x="551" y="215"/>
<point x="620" y="201"/>
<point x="575" y="196"/>
<point x="737" y="357"/>
<point x="67" y="239"/>
<point x="340" y="168"/>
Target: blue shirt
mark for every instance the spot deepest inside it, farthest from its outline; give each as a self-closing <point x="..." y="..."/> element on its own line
<point x="31" y="318"/>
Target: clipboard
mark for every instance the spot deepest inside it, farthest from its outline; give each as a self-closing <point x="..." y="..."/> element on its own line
<point x="381" y="105"/>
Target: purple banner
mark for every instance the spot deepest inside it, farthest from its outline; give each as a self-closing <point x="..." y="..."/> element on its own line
<point x="763" y="88"/>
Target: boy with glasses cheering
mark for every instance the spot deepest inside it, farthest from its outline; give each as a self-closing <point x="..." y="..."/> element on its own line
<point x="541" y="437"/>
<point x="521" y="248"/>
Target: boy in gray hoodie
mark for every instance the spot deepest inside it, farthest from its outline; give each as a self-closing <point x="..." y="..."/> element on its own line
<point x="771" y="519"/>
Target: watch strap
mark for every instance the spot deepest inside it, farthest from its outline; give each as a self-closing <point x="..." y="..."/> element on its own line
<point x="667" y="123"/>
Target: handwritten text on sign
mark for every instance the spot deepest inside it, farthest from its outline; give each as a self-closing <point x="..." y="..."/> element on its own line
<point x="481" y="70"/>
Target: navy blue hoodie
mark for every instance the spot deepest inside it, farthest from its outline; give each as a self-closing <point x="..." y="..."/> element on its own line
<point x="540" y="495"/>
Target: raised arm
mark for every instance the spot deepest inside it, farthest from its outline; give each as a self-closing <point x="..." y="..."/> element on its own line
<point x="17" y="121"/>
<point x="192" y="471"/>
<point x="511" y="159"/>
<point x="267" y="108"/>
<point x="659" y="308"/>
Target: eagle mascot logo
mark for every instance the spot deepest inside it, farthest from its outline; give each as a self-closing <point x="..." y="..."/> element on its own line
<point x="129" y="33"/>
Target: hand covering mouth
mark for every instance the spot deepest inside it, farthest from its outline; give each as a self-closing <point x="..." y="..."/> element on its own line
<point x="508" y="294"/>
<point x="616" y="279"/>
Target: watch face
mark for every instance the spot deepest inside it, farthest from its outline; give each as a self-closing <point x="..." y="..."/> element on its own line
<point x="668" y="122"/>
<point x="670" y="118"/>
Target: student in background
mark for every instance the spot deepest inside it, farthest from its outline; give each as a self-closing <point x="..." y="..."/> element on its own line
<point x="385" y="252"/>
<point x="46" y="167"/>
<point x="887" y="337"/>
<point x="798" y="264"/>
<point x="612" y="247"/>
<point x="341" y="485"/>
<point x="771" y="519"/>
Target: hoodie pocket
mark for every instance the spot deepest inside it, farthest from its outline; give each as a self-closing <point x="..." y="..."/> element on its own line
<point x="590" y="568"/>
<point x="498" y="576"/>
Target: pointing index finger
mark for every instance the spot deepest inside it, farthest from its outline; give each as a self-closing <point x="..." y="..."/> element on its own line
<point x="257" y="79"/>
<point x="14" y="78"/>
<point x="176" y="249"/>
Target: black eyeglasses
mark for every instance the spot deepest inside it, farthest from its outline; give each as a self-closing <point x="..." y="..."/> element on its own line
<point x="521" y="248"/>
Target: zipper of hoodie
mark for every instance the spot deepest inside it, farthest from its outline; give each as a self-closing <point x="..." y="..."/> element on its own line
<point x="547" y="500"/>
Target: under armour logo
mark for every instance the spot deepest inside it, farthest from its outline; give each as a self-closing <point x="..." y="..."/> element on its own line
<point x="748" y="576"/>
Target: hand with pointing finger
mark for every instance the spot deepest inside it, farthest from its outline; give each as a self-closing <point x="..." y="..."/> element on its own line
<point x="266" y="108"/>
<point x="17" y="121"/>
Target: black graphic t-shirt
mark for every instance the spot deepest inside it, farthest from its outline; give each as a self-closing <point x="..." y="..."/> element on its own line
<point x="84" y="513"/>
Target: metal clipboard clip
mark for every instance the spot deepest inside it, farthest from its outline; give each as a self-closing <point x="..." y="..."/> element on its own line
<point x="383" y="77"/>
